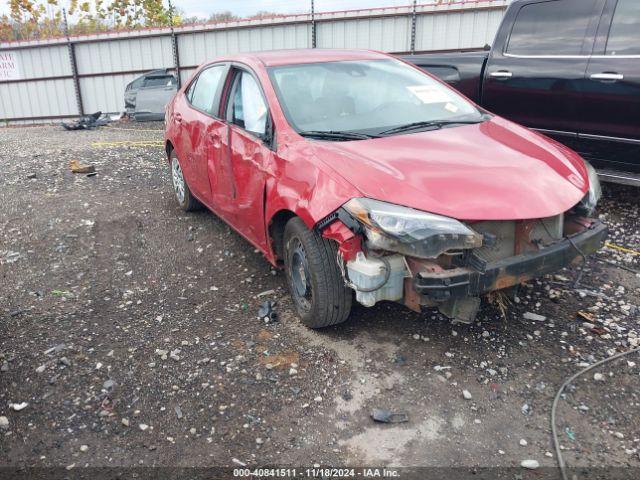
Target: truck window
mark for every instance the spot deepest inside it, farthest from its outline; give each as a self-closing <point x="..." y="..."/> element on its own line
<point x="555" y="27"/>
<point x="624" y="35"/>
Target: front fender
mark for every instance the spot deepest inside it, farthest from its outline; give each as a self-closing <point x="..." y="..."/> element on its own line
<point x="302" y="187"/>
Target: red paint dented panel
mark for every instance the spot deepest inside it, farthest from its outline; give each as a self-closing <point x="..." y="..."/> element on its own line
<point x="350" y="244"/>
<point x="495" y="170"/>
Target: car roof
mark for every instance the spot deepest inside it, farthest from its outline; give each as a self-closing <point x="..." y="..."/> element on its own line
<point x="273" y="58"/>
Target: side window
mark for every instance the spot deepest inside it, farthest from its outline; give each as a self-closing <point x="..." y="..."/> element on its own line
<point x="137" y="83"/>
<point x="163" y="81"/>
<point x="202" y="92"/>
<point x="624" y="35"/>
<point x="556" y="27"/>
<point x="248" y="109"/>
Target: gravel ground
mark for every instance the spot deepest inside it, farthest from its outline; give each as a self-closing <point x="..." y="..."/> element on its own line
<point x="129" y="330"/>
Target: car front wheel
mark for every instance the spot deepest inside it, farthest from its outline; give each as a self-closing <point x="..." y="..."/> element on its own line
<point x="183" y="194"/>
<point x="319" y="293"/>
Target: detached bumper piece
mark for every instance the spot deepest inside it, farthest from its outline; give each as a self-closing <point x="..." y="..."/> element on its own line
<point x="465" y="282"/>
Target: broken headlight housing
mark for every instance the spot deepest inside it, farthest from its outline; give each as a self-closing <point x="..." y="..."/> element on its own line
<point x="588" y="204"/>
<point x="408" y="231"/>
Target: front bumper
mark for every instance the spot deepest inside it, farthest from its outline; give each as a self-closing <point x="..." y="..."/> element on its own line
<point x="465" y="281"/>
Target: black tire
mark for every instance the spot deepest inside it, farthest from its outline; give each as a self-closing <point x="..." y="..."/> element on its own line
<point x="185" y="199"/>
<point x="326" y="300"/>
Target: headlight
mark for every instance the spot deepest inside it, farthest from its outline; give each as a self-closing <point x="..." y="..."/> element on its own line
<point x="408" y="231"/>
<point x="588" y="204"/>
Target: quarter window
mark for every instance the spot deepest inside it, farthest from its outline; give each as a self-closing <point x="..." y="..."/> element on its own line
<point x="248" y="109"/>
<point x="202" y="92"/>
<point x="556" y="27"/>
<point x="624" y="36"/>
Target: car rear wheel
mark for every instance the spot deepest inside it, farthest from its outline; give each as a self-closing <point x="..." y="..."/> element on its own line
<point x="319" y="294"/>
<point x="183" y="195"/>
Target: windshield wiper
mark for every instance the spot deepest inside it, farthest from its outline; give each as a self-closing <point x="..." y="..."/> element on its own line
<point x="336" y="135"/>
<point x="427" y="124"/>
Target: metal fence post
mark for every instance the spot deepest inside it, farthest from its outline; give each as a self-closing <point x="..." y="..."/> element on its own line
<point x="313" y="25"/>
<point x="74" y="65"/>
<point x="174" y="46"/>
<point x="412" y="47"/>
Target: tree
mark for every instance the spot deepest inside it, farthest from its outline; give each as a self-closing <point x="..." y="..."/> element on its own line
<point x="43" y="18"/>
<point x="226" y="16"/>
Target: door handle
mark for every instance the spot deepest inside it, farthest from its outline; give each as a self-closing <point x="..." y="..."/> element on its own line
<point x="607" y="77"/>
<point x="501" y="74"/>
<point x="178" y="117"/>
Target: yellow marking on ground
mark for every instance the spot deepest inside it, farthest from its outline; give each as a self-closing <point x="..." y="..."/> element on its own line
<point x="135" y="129"/>
<point x="129" y="143"/>
<point x="622" y="249"/>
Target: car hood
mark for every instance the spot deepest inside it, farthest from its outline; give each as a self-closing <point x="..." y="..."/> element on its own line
<point x="495" y="170"/>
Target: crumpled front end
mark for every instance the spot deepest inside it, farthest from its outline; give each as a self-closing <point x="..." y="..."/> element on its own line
<point x="390" y="252"/>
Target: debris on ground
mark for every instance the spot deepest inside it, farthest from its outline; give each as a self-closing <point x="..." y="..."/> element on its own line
<point x="77" y="167"/>
<point x="265" y="293"/>
<point x="267" y="312"/>
<point x="530" y="464"/>
<point x="9" y="257"/>
<point x="570" y="434"/>
<point x="387" y="416"/>
<point x="534" y="317"/>
<point x="18" y="406"/>
<point x="587" y="316"/>
<point x="87" y="122"/>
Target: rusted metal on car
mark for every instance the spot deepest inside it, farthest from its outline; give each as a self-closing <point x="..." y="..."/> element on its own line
<point x="523" y="235"/>
<point x="412" y="300"/>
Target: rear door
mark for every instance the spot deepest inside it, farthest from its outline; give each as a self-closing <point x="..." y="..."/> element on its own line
<point x="130" y="94"/>
<point x="199" y="123"/>
<point x="153" y="97"/>
<point x="250" y="143"/>
<point x="538" y="62"/>
<point x="609" y="128"/>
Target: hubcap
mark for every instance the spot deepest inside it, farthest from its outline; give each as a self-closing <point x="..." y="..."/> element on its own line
<point x="299" y="273"/>
<point x="178" y="180"/>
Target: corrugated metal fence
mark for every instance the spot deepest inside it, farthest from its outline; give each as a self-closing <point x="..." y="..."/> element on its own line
<point x="64" y="77"/>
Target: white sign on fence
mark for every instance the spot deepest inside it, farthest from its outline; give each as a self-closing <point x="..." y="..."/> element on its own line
<point x="9" y="66"/>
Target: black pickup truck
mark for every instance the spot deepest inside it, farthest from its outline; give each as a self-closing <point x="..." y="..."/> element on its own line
<point x="567" y="68"/>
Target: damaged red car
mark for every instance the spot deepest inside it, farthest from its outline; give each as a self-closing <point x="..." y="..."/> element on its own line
<point x="367" y="179"/>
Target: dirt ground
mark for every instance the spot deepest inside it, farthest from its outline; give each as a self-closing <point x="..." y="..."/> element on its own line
<point x="130" y="330"/>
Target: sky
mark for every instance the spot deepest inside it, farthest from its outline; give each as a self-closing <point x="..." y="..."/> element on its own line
<point x="203" y="8"/>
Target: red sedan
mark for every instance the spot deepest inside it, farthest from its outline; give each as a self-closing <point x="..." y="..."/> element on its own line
<point x="357" y="172"/>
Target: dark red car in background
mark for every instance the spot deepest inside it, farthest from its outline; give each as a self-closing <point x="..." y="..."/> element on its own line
<point x="356" y="171"/>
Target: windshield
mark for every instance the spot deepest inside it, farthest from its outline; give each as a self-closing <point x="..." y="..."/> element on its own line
<point x="367" y="96"/>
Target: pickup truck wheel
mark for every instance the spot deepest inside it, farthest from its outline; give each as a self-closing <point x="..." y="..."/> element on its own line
<point x="315" y="282"/>
<point x="183" y="195"/>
